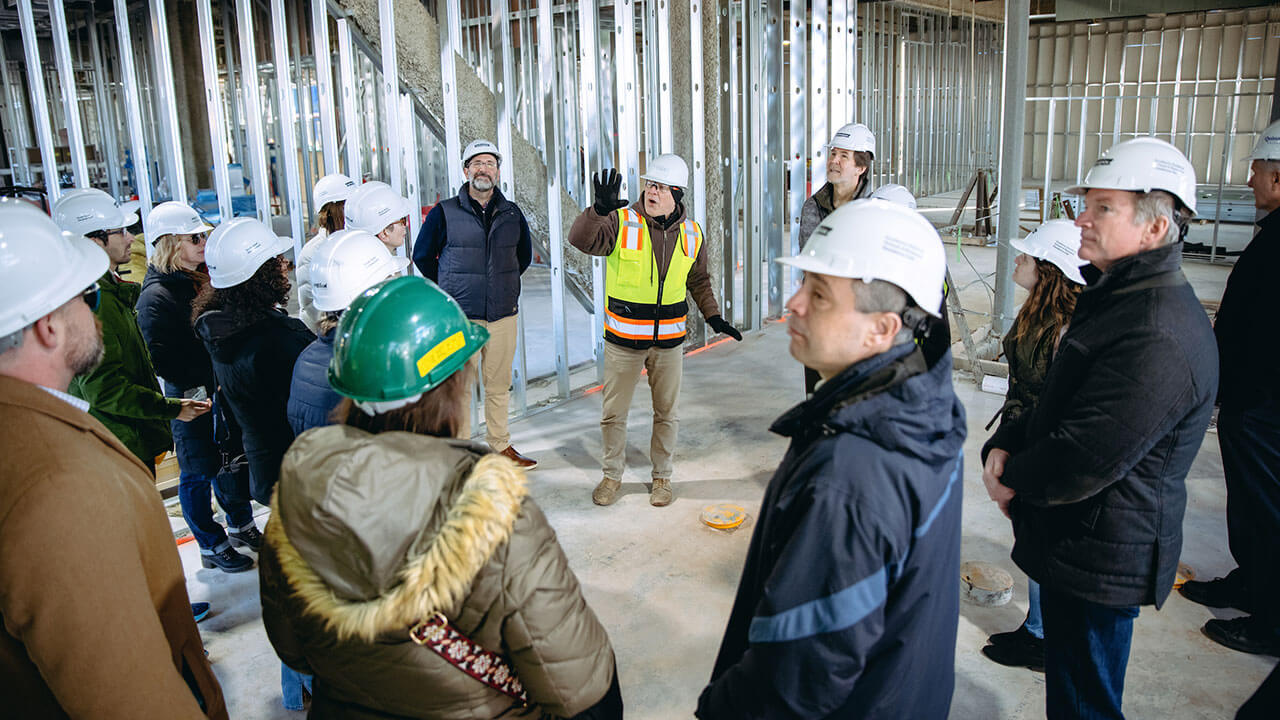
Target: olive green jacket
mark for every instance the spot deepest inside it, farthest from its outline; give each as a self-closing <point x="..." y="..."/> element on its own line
<point x="370" y="533"/>
<point x="122" y="391"/>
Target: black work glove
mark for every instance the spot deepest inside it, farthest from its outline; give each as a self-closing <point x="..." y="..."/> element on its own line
<point x="718" y="324"/>
<point x="607" y="185"/>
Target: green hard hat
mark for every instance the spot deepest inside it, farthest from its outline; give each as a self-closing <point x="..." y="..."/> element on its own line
<point x="399" y="339"/>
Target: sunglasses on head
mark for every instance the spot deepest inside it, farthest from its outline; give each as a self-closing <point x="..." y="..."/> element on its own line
<point x="91" y="296"/>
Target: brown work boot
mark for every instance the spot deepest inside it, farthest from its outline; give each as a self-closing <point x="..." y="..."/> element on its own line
<point x="527" y="463"/>
<point x="660" y="495"/>
<point x="606" y="492"/>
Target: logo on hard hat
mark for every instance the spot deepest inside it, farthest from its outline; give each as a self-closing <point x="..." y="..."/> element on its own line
<point x="1101" y="162"/>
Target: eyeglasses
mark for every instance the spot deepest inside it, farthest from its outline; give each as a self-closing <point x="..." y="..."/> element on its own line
<point x="656" y="186"/>
<point x="482" y="163"/>
<point x="91" y="296"/>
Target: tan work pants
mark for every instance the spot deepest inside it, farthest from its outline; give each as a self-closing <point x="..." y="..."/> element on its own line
<point x="622" y="368"/>
<point x="494" y="365"/>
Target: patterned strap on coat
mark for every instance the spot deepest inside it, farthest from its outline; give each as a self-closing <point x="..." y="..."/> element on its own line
<point x="462" y="652"/>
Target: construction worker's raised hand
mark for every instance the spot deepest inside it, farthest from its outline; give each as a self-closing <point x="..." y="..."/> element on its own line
<point x="607" y="185"/>
<point x="718" y="324"/>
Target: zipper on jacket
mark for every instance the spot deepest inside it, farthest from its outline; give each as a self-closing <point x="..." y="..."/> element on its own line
<point x="657" y="307"/>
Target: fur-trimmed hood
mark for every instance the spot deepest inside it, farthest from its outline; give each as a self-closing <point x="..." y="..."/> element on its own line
<point x="375" y="532"/>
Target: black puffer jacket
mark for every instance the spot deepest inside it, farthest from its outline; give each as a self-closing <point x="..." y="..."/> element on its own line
<point x="164" y="315"/>
<point x="1100" y="464"/>
<point x="254" y="366"/>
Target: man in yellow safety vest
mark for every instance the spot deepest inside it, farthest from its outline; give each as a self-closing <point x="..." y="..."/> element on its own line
<point x="655" y="259"/>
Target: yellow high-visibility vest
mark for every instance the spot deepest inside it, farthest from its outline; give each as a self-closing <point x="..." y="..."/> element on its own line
<point x="635" y="312"/>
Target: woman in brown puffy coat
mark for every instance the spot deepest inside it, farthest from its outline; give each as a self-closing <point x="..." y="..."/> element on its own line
<point x="384" y="524"/>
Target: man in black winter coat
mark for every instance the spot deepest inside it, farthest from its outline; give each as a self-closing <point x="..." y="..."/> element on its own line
<point x="848" y="602"/>
<point x="1249" y="426"/>
<point x="1094" y="477"/>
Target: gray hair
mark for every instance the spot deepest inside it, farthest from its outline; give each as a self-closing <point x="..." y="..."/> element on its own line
<point x="1149" y="206"/>
<point x="880" y="296"/>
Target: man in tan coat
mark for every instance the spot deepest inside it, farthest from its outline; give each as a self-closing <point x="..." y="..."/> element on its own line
<point x="93" y="604"/>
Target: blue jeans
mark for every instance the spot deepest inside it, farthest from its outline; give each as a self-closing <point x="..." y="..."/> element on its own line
<point x="1034" y="624"/>
<point x="200" y="460"/>
<point x="1086" y="652"/>
<point x="292" y="683"/>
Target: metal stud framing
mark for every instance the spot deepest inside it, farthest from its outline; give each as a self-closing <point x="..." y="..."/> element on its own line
<point x="39" y="102"/>
<point x="133" y="111"/>
<point x="70" y="99"/>
<point x="252" y="109"/>
<point x="18" y="142"/>
<point x="213" y="107"/>
<point x="324" y="84"/>
<point x="549" y="105"/>
<point x="288" y="123"/>
<point x="167" y="110"/>
<point x="350" y="120"/>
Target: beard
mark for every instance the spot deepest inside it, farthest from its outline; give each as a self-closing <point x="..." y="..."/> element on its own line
<point x="483" y="183"/>
<point x="86" y="354"/>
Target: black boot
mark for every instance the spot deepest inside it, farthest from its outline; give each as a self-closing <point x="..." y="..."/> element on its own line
<point x="1224" y="592"/>
<point x="246" y="538"/>
<point x="1245" y="634"/>
<point x="227" y="560"/>
<point x="1016" y="649"/>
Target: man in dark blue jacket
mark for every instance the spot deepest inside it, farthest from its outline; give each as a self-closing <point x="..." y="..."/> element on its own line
<point x="1094" y="477"/>
<point x="848" y="602"/>
<point x="1249" y="426"/>
<point x="475" y="247"/>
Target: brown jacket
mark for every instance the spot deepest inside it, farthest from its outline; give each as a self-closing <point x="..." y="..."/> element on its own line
<point x="596" y="235"/>
<point x="370" y="533"/>
<point x="93" y="600"/>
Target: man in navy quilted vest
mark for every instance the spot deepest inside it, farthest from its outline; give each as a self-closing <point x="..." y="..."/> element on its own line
<point x="475" y="247"/>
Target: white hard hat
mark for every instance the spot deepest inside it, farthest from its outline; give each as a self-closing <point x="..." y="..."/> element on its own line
<point x="173" y="218"/>
<point x="1142" y="165"/>
<point x="895" y="193"/>
<point x="873" y="239"/>
<point x="41" y="266"/>
<point x="1058" y="242"/>
<point x="480" y="147"/>
<point x="1268" y="147"/>
<point x="373" y="206"/>
<point x="238" y="248"/>
<point x="88" y="210"/>
<point x="669" y="170"/>
<point x="346" y="264"/>
<point x="856" y="137"/>
<point x="334" y="187"/>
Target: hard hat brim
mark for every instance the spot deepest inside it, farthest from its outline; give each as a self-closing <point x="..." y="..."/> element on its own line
<point x="814" y="265"/>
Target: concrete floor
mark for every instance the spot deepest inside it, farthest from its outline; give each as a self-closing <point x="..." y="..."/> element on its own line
<point x="662" y="583"/>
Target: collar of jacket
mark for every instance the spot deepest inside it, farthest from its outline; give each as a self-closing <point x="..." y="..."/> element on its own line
<point x="22" y="394"/>
<point x="496" y="203"/>
<point x="825" y="198"/>
<point x="665" y="222"/>
<point x="126" y="291"/>
<point x="855" y="383"/>
<point x="1270" y="221"/>
<point x="1130" y="270"/>
<point x="376" y="532"/>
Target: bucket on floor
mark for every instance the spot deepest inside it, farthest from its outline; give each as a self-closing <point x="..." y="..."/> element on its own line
<point x="724" y="516"/>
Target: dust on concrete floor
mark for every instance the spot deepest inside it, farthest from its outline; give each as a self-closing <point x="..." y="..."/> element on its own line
<point x="663" y="584"/>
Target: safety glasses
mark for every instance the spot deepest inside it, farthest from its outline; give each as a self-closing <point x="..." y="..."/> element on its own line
<point x="91" y="297"/>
